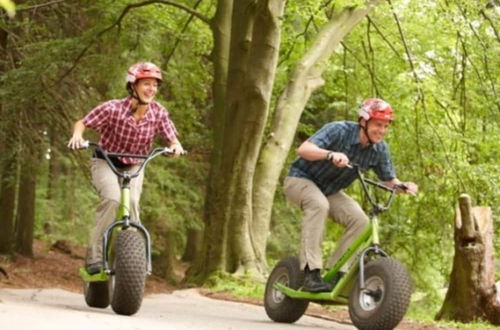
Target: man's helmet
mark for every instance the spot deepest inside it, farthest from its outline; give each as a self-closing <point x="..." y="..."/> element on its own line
<point x="143" y="70"/>
<point x="376" y="109"/>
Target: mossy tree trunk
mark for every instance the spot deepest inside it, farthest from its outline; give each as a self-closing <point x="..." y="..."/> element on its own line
<point x="8" y="163"/>
<point x="30" y="160"/>
<point x="253" y="53"/>
<point x="26" y="210"/>
<point x="8" y="183"/>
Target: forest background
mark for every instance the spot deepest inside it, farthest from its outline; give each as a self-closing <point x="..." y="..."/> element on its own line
<point x="237" y="75"/>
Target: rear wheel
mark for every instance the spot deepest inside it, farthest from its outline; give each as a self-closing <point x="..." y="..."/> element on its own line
<point x="279" y="307"/>
<point x="96" y="294"/>
<point x="130" y="272"/>
<point x="383" y="302"/>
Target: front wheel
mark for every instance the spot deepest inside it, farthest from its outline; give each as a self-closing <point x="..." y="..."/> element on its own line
<point x="279" y="307"/>
<point x="385" y="298"/>
<point x="130" y="272"/>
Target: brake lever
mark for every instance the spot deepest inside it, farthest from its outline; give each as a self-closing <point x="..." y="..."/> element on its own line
<point x="168" y="151"/>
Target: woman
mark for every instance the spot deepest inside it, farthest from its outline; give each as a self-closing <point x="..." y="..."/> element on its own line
<point x="127" y="125"/>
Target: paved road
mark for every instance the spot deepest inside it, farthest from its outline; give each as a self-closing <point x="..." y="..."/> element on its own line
<point x="54" y="309"/>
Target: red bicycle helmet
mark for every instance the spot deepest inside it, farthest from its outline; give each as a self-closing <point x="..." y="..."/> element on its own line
<point x="143" y="70"/>
<point x="376" y="109"/>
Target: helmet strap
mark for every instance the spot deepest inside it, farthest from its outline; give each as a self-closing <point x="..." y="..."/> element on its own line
<point x="365" y="130"/>
<point x="135" y="95"/>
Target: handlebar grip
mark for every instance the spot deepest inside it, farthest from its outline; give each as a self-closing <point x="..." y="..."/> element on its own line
<point x="401" y="186"/>
<point x="85" y="144"/>
<point x="352" y="165"/>
<point x="169" y="151"/>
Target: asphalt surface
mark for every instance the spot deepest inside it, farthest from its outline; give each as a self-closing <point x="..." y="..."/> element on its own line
<point x="56" y="309"/>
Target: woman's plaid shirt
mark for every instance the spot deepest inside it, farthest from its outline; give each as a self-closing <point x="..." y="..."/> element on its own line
<point x="121" y="133"/>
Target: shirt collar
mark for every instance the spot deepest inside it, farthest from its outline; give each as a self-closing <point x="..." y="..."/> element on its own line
<point x="127" y="104"/>
<point x="354" y="138"/>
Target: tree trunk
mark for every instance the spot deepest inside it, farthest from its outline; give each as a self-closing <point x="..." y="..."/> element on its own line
<point x="26" y="210"/>
<point x="7" y="202"/>
<point x="193" y="245"/>
<point x="216" y="230"/>
<point x="254" y="44"/>
<point x="472" y="294"/>
<point x="305" y="79"/>
<point x="221" y="29"/>
<point x="257" y="90"/>
<point x="8" y="165"/>
<point x="169" y="257"/>
<point x="8" y="188"/>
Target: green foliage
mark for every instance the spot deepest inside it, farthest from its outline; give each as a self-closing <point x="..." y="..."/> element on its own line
<point x="9" y="7"/>
<point x="172" y="200"/>
<point x="239" y="286"/>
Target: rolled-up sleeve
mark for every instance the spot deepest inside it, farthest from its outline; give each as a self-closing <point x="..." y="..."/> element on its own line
<point x="385" y="169"/>
<point x="330" y="136"/>
<point x="166" y="127"/>
<point x="98" y="117"/>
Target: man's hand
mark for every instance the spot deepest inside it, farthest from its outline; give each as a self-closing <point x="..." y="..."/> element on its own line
<point x="338" y="159"/>
<point x="411" y="188"/>
<point x="408" y="187"/>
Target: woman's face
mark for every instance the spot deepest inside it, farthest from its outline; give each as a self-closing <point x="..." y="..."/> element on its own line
<point x="147" y="89"/>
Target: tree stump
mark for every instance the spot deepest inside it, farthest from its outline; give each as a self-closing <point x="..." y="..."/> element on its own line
<point x="472" y="293"/>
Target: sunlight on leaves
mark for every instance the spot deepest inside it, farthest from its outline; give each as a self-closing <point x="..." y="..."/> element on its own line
<point x="9" y="7"/>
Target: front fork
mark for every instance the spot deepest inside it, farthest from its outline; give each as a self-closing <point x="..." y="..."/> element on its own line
<point x="124" y="224"/>
<point x="369" y="242"/>
<point x="375" y="248"/>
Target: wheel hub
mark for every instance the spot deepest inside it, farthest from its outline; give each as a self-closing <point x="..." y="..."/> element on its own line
<point x="278" y="296"/>
<point x="373" y="293"/>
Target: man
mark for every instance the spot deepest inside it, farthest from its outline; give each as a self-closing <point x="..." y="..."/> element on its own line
<point x="316" y="178"/>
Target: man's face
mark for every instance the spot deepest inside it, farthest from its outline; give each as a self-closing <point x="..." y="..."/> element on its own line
<point x="377" y="129"/>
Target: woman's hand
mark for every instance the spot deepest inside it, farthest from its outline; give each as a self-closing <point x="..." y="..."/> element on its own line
<point x="177" y="149"/>
<point x="76" y="141"/>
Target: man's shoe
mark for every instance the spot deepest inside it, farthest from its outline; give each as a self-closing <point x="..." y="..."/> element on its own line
<point x="94" y="268"/>
<point x="313" y="281"/>
<point x="336" y="278"/>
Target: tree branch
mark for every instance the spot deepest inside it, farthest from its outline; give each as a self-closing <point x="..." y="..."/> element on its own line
<point x="297" y="36"/>
<point x="421" y="98"/>
<point x="21" y="8"/>
<point x="491" y="23"/>
<point x="371" y="59"/>
<point x="119" y="20"/>
<point x="178" y="40"/>
<point x="391" y="46"/>
<point x="363" y="64"/>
